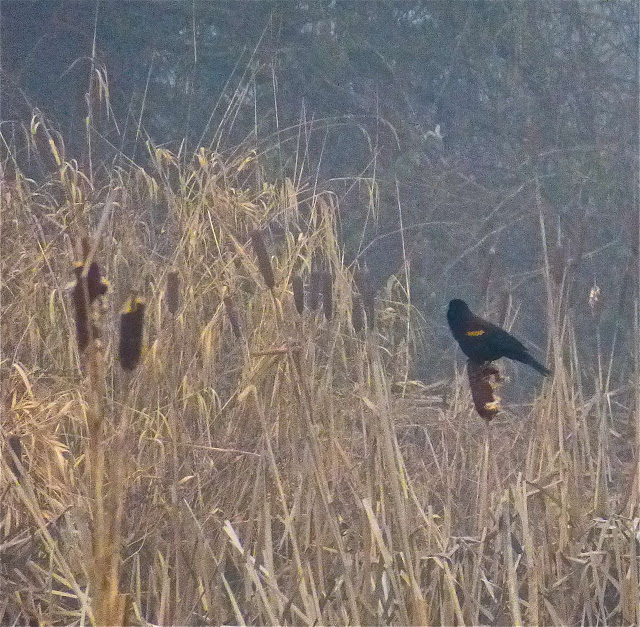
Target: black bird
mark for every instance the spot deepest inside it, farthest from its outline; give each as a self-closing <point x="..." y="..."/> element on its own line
<point x="482" y="341"/>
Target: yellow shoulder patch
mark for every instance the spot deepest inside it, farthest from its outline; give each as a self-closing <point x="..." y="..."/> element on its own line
<point x="475" y="333"/>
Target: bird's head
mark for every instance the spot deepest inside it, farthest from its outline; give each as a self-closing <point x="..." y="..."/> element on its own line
<point x="458" y="310"/>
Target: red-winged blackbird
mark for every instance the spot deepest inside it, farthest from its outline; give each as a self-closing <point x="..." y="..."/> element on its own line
<point x="482" y="341"/>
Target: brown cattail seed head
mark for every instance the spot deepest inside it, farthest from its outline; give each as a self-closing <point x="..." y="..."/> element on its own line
<point x="314" y="293"/>
<point x="264" y="262"/>
<point x="81" y="310"/>
<point x="173" y="291"/>
<point x="131" y="325"/>
<point x="298" y="293"/>
<point x="483" y="380"/>
<point x="232" y="314"/>
<point x="327" y="295"/>
<point x="97" y="285"/>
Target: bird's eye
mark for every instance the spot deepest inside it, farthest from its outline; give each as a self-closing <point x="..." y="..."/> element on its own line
<point x="475" y="333"/>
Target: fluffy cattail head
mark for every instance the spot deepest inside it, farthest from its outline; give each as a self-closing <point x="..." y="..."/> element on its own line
<point x="173" y="291"/>
<point x="327" y="295"/>
<point x="131" y="326"/>
<point x="483" y="381"/>
<point x="298" y="293"/>
<point x="264" y="262"/>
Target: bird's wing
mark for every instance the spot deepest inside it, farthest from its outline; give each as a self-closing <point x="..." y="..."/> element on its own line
<point x="503" y="340"/>
<point x="492" y="336"/>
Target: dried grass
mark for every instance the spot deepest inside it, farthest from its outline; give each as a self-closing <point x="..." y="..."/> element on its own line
<point x="280" y="480"/>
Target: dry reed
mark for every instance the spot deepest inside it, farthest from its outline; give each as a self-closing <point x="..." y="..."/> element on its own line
<point x="291" y="487"/>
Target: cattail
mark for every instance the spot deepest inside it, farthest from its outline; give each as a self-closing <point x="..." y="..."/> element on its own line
<point x="232" y="314"/>
<point x="173" y="291"/>
<point x="15" y="444"/>
<point x="131" y="324"/>
<point x="264" y="263"/>
<point x="314" y="294"/>
<point x="483" y="380"/>
<point x="327" y="295"/>
<point x="357" y="313"/>
<point x="298" y="293"/>
<point x="97" y="285"/>
<point x="81" y="310"/>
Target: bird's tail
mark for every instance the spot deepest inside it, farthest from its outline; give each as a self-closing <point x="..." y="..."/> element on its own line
<point x="536" y="365"/>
